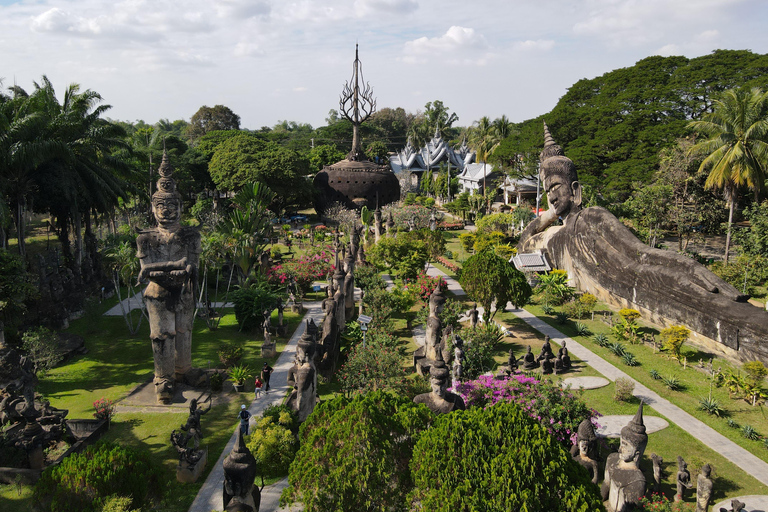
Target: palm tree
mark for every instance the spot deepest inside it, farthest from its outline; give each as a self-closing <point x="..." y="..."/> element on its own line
<point x="484" y="140"/>
<point x="736" y="134"/>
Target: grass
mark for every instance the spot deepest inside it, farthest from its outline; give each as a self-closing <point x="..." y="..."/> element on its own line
<point x="694" y="384"/>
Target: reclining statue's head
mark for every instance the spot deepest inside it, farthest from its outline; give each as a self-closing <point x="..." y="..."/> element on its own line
<point x="560" y="179"/>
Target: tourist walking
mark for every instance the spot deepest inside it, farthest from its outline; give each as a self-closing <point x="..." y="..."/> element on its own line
<point x="266" y="372"/>
<point x="244" y="416"/>
<point x="257" y="387"/>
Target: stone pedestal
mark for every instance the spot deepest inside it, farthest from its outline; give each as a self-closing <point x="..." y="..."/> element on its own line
<point x="188" y="474"/>
<point x="268" y="350"/>
<point x="297" y="308"/>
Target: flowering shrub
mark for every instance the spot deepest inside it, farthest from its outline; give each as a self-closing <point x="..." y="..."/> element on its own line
<point x="660" y="503"/>
<point x="305" y="270"/>
<point x="450" y="226"/>
<point x="105" y="409"/>
<point x="424" y="285"/>
<point x="453" y="267"/>
<point x="558" y="410"/>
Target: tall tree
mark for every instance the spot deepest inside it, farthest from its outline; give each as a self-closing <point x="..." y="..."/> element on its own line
<point x="736" y="145"/>
<point x="488" y="279"/>
<point x="207" y="119"/>
<point x="435" y="119"/>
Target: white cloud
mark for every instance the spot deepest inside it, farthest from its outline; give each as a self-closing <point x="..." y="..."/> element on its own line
<point x="459" y="45"/>
<point x="537" y="45"/>
<point x="300" y="89"/>
<point x="366" y="7"/>
<point x="52" y="20"/>
<point x="668" y="50"/>
<point x="242" y="9"/>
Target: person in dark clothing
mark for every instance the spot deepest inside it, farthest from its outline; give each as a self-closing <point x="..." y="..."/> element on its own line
<point x="266" y="372"/>
<point x="244" y="416"/>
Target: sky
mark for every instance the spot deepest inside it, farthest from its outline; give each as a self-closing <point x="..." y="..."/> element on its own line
<point x="273" y="60"/>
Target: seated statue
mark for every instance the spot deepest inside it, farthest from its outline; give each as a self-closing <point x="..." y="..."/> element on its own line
<point x="585" y="450"/>
<point x="440" y="400"/>
<point x="558" y="365"/>
<point x="240" y="470"/>
<point x="624" y="482"/>
<point x="512" y="362"/>
<point x="546" y="351"/>
<point x="546" y="366"/>
<point x="566" y="359"/>
<point x="529" y="360"/>
<point x="602" y="257"/>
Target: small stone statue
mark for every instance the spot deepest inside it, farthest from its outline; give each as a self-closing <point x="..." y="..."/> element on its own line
<point x="529" y="360"/>
<point x="434" y="326"/>
<point x="546" y="366"/>
<point x="292" y="290"/>
<point x="512" y="361"/>
<point x="736" y="506"/>
<point x="440" y="400"/>
<point x="564" y="357"/>
<point x="546" y="351"/>
<point x="193" y="421"/>
<point x="473" y="316"/>
<point x="390" y="226"/>
<point x="303" y="398"/>
<point x="280" y="309"/>
<point x="703" y="489"/>
<point x="432" y="221"/>
<point x="585" y="450"/>
<point x="558" y="365"/>
<point x="169" y="256"/>
<point x="683" y="479"/>
<point x="658" y="468"/>
<point x="239" y="493"/>
<point x="624" y="482"/>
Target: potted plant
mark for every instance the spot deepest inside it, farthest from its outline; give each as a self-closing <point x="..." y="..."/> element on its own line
<point x="238" y="375"/>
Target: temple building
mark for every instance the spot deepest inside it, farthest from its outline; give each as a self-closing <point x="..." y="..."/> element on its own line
<point x="434" y="155"/>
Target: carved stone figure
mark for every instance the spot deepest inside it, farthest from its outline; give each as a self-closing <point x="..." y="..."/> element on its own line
<point x="585" y="450"/>
<point x="239" y="493"/>
<point x="624" y="482"/>
<point x="736" y="506"/>
<point x="434" y="326"/>
<point x="193" y="426"/>
<point x="529" y="360"/>
<point x="546" y="366"/>
<point x="191" y="459"/>
<point x="602" y="257"/>
<point x="473" y="315"/>
<point x="169" y="256"/>
<point x="557" y="365"/>
<point x="703" y="488"/>
<point x="304" y="395"/>
<point x="546" y="351"/>
<point x="390" y="224"/>
<point x="440" y="400"/>
<point x="512" y="361"/>
<point x="378" y="227"/>
<point x="562" y="354"/>
<point x="349" y="284"/>
<point x="658" y="468"/>
<point x="683" y="479"/>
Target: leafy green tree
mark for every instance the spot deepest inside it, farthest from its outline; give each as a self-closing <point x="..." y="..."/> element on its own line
<point x="248" y="227"/>
<point x="488" y="279"/>
<point x="16" y="291"/>
<point x="208" y="119"/>
<point x="246" y="158"/>
<point x="354" y="454"/>
<point x="325" y="154"/>
<point x="650" y="208"/>
<point x="673" y="339"/>
<point x="376" y="151"/>
<point x="497" y="459"/>
<point x="403" y="255"/>
<point x="435" y="119"/>
<point x="754" y="241"/>
<point x="554" y="286"/>
<point x="272" y="442"/>
<point x="391" y="125"/>
<point x="736" y="145"/>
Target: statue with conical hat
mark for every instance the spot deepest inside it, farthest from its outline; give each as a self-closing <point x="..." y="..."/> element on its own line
<point x="440" y="400"/>
<point x="604" y="258"/>
<point x="585" y="450"/>
<point x="624" y="482"/>
<point x="169" y="256"/>
<point x="239" y="493"/>
<point x="303" y="398"/>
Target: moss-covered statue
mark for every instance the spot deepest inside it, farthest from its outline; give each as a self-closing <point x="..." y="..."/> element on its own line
<point x="604" y="258"/>
<point x="169" y="256"/>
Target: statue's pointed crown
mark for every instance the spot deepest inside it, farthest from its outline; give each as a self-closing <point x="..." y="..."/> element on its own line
<point x="634" y="431"/>
<point x="166" y="185"/>
<point x="551" y="148"/>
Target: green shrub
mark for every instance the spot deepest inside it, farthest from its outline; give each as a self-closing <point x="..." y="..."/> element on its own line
<point x="467" y="241"/>
<point x="480" y="344"/>
<point x="42" y="346"/>
<point x="756" y="371"/>
<point x="561" y="318"/>
<point x="624" y="389"/>
<point x="230" y="354"/>
<point x="85" y="481"/>
<point x="272" y="441"/>
<point x="732" y="423"/>
<point x="250" y="304"/>
<point x="671" y="382"/>
<point x="547" y="309"/>
<point x="354" y="454"/>
<point x="711" y="406"/>
<point x="629" y="359"/>
<point x="655" y="375"/>
<point x="497" y="459"/>
<point x="673" y="338"/>
<point x="617" y="348"/>
<point x="749" y="432"/>
<point x="582" y="329"/>
<point x="601" y="339"/>
<point x="216" y="381"/>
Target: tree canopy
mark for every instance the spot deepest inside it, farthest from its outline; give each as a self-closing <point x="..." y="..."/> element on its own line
<point x="488" y="279"/>
<point x="208" y="119"/>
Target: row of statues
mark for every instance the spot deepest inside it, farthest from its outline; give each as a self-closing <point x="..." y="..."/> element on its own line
<point x="546" y="360"/>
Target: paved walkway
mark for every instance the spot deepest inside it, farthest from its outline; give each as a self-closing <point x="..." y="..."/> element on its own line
<point x="210" y="497"/>
<point x="136" y="302"/>
<point x="751" y="464"/>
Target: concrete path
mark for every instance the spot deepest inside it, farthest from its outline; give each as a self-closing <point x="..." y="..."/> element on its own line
<point x="210" y="497"/>
<point x="453" y="285"/>
<point x="136" y="302"/>
<point x="751" y="464"/>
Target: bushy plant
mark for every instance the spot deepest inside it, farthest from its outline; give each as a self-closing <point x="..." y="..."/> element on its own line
<point x="623" y="389"/>
<point x="617" y="348"/>
<point x="732" y="423"/>
<point x="671" y="382"/>
<point x="83" y="481"/>
<point x="273" y="443"/>
<point x="250" y="303"/>
<point x="750" y="433"/>
<point x="216" y="381"/>
<point x="305" y="270"/>
<point x="240" y="373"/>
<point x="561" y="318"/>
<point x="711" y="406"/>
<point x="367" y="277"/>
<point x="601" y="339"/>
<point x="655" y="375"/>
<point x="479" y="347"/>
<point x="673" y="339"/>
<point x="366" y="440"/>
<point x="402" y="255"/>
<point x="423" y="286"/>
<point x="498" y="459"/>
<point x="230" y="354"/>
<point x="42" y="346"/>
<point x="582" y="329"/>
<point x="554" y="287"/>
<point x="468" y="241"/>
<point x="629" y="359"/>
<point x="626" y="328"/>
<point x="105" y="409"/>
<point x="371" y="368"/>
<point x="756" y="371"/>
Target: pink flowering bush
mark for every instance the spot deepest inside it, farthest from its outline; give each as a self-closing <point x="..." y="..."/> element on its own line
<point x="305" y="270"/>
<point x="660" y="503"/>
<point x="105" y="409"/>
<point x="453" y="267"/>
<point x="450" y="226"/>
<point x="558" y="410"/>
<point x="424" y="285"/>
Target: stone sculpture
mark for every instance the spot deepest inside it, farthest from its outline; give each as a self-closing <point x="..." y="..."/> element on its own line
<point x="191" y="459"/>
<point x="512" y="362"/>
<point x="390" y="224"/>
<point x="529" y="360"/>
<point x="703" y="488"/>
<point x="562" y="354"/>
<point x="192" y="426"/>
<point x="736" y="506"/>
<point x="378" y="226"/>
<point x="546" y="351"/>
<point x="303" y="398"/>
<point x="585" y="450"/>
<point x="602" y="257"/>
<point x="440" y="400"/>
<point x="658" y="468"/>
<point x="239" y="493"/>
<point x="683" y="479"/>
<point x="557" y="365"/>
<point x="546" y="366"/>
<point x="169" y="256"/>
<point x="349" y="283"/>
<point x="624" y="482"/>
<point x="434" y="326"/>
<point x="473" y="315"/>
